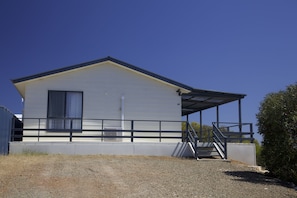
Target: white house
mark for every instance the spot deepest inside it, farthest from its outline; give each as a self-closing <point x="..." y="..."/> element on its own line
<point x="110" y="100"/>
<point x="103" y="89"/>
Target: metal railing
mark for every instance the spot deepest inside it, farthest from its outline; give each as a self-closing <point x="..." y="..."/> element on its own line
<point x="236" y="132"/>
<point x="192" y="138"/>
<point x="219" y="141"/>
<point x="224" y="132"/>
<point x="41" y="129"/>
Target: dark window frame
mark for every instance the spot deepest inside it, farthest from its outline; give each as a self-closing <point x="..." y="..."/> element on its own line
<point x="64" y="118"/>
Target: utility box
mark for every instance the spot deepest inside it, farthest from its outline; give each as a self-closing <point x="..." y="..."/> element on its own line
<point x="8" y="122"/>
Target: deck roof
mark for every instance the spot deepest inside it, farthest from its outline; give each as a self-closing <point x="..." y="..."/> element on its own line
<point x="199" y="99"/>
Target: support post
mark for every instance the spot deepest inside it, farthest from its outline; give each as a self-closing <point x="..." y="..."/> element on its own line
<point x="185" y="136"/>
<point x="71" y="130"/>
<point x="218" y="117"/>
<point x="123" y="112"/>
<point x="132" y="130"/>
<point x="239" y="119"/>
<point x="200" y="137"/>
<point x="160" y="131"/>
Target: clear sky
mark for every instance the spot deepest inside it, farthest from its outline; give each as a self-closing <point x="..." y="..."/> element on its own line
<point x="247" y="47"/>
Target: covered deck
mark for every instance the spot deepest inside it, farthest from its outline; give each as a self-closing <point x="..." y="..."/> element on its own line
<point x="199" y="100"/>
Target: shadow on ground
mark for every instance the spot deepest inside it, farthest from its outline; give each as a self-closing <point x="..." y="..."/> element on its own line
<point x="256" y="178"/>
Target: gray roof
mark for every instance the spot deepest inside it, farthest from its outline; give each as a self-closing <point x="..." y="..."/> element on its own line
<point x="199" y="99"/>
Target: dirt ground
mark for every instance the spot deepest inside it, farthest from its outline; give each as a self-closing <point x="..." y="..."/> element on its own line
<point x="132" y="176"/>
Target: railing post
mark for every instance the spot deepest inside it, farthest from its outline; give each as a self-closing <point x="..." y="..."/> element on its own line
<point x="187" y="132"/>
<point x="132" y="130"/>
<point x="196" y="150"/>
<point x="70" y="130"/>
<point x="200" y="125"/>
<point x="38" y="130"/>
<point x="225" y="147"/>
<point x="252" y="133"/>
<point x="102" y="124"/>
<point x="160" y="131"/>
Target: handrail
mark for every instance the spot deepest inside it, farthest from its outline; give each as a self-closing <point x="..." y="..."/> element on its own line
<point x="192" y="139"/>
<point x="236" y="132"/>
<point x="220" y="141"/>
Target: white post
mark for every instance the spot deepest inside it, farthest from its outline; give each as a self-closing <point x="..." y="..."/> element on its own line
<point x="123" y="112"/>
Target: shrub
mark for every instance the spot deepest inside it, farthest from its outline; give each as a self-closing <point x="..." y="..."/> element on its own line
<point x="277" y="122"/>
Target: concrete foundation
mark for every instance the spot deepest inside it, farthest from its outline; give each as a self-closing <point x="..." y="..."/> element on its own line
<point x="180" y="149"/>
<point x="242" y="152"/>
<point x="239" y="152"/>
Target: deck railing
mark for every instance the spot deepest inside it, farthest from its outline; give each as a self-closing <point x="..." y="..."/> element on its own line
<point x="224" y="132"/>
<point x="236" y="132"/>
<point x="219" y="141"/>
<point x="42" y="129"/>
<point x="192" y="138"/>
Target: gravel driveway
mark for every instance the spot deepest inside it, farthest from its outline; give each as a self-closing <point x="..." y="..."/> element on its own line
<point x="132" y="176"/>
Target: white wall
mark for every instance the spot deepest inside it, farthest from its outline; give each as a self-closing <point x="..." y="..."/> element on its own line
<point x="103" y="86"/>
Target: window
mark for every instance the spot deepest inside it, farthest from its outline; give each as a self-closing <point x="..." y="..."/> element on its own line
<point x="64" y="110"/>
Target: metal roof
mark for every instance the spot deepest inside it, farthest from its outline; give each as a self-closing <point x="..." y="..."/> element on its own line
<point x="193" y="101"/>
<point x="198" y="100"/>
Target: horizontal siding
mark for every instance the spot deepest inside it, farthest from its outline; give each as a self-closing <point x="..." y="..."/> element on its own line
<point x="103" y="86"/>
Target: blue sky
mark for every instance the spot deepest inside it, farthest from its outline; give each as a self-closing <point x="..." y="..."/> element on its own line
<point x="247" y="47"/>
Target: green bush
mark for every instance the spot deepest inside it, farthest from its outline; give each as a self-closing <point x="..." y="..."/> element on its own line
<point x="277" y="122"/>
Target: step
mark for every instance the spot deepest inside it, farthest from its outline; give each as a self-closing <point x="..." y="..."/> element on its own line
<point x="207" y="152"/>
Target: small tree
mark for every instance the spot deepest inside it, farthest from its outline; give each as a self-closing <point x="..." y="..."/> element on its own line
<point x="277" y="122"/>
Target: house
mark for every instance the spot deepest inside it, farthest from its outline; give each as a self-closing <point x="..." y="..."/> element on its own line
<point x="108" y="101"/>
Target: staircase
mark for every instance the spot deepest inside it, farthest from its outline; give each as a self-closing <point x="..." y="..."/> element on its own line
<point x="214" y="146"/>
<point x="207" y="150"/>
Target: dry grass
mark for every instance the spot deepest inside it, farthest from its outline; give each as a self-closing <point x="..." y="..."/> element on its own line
<point x="37" y="175"/>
